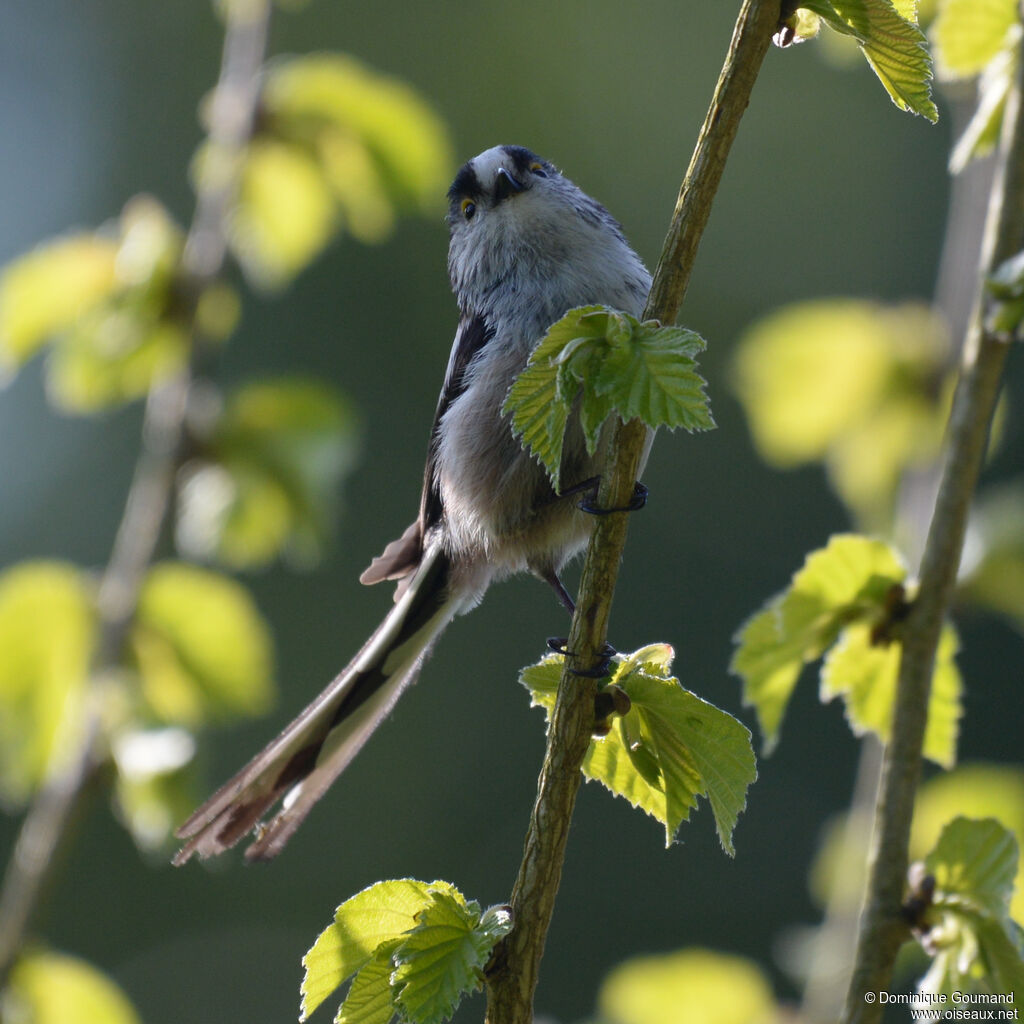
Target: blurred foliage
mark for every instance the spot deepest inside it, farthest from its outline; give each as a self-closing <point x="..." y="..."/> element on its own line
<point x="52" y="988"/>
<point x="1005" y="294"/>
<point x="337" y="146"/>
<point x="888" y="36"/>
<point x="266" y="475"/>
<point x="978" y="38"/>
<point x="667" y="746"/>
<point x="201" y="647"/>
<point x="967" y="928"/>
<point x="861" y="387"/>
<point x="976" y="790"/>
<point x="845" y="603"/>
<point x="411" y="948"/>
<point x="692" y="986"/>
<point x="611" y="363"/>
<point x="47" y="626"/>
<point x="108" y="307"/>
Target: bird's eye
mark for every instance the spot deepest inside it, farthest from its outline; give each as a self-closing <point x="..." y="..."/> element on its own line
<point x="468" y="208"/>
<point x="538" y="169"/>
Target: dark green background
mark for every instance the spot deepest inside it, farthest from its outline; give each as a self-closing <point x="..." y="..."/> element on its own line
<point x="830" y="190"/>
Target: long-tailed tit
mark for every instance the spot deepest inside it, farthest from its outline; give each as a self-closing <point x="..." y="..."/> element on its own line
<point x="526" y="246"/>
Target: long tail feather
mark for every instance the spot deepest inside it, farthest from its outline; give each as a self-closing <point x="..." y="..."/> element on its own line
<point x="309" y="754"/>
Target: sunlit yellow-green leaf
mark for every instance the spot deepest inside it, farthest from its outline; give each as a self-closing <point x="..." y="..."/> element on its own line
<point x="285" y="213"/>
<point x="52" y="988"/>
<point x="349" y="113"/>
<point x="670" y="748"/>
<point x="379" y="914"/>
<point x="864" y="674"/>
<point x="201" y="646"/>
<point x="892" y="44"/>
<point x="847" y="581"/>
<point x="853" y="384"/>
<point x="112" y="356"/>
<point x="695" y="986"/>
<point x="978" y="791"/>
<point x="46" y="291"/>
<point x="46" y="639"/>
<point x="967" y="34"/>
<point x="369" y="999"/>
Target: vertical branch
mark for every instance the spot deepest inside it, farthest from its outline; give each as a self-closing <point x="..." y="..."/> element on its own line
<point x="512" y="981"/>
<point x="882" y="930"/>
<point x="231" y="119"/>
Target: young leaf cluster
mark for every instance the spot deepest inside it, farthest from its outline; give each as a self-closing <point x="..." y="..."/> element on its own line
<point x="844" y="605"/>
<point x="887" y="34"/>
<point x="601" y="361"/>
<point x="412" y="949"/>
<point x="670" y="746"/>
<point x="978" y="39"/>
<point x="106" y="306"/>
<point x="337" y="147"/>
<point x="974" y="943"/>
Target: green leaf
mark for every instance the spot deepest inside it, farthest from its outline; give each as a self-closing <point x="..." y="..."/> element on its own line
<point x="975" y="945"/>
<point x="362" y="924"/>
<point x="45" y="292"/>
<point x="894" y="46"/>
<point x="269" y="477"/>
<point x="670" y="748"/>
<point x="847" y="581"/>
<point x="967" y="34"/>
<point x="369" y="999"/>
<point x="285" y="214"/>
<point x="201" y="646"/>
<point x="974" y="864"/>
<point x="47" y="635"/>
<point x="353" y="114"/>
<point x="443" y="957"/>
<point x="865" y="675"/>
<point x="981" y="136"/>
<point x="620" y="365"/>
<point x="853" y="384"/>
<point x="694" y="985"/>
<point x="51" y="988"/>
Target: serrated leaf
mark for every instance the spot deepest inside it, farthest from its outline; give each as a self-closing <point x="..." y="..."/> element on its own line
<point x="46" y="291"/>
<point x="974" y="864"/>
<point x="654" y="378"/>
<point x="893" y="46"/>
<point x="967" y="34"/>
<point x="375" y="917"/>
<point x="369" y="999"/>
<point x="865" y="675"/>
<point x="846" y="581"/>
<point x="52" y="988"/>
<point x="638" y="370"/>
<point x="693" y="985"/>
<point x="201" y="646"/>
<point x="47" y="634"/>
<point x="688" y="747"/>
<point x="443" y="957"/>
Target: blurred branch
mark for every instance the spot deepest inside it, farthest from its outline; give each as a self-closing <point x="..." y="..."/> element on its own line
<point x="882" y="929"/>
<point x="511" y="984"/>
<point x="232" y="114"/>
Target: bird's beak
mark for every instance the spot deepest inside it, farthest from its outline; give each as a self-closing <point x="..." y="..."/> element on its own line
<point x="506" y="185"/>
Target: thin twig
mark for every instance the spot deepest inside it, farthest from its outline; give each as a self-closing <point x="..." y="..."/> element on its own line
<point x="231" y="119"/>
<point x="882" y="929"/>
<point x="511" y="984"/>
